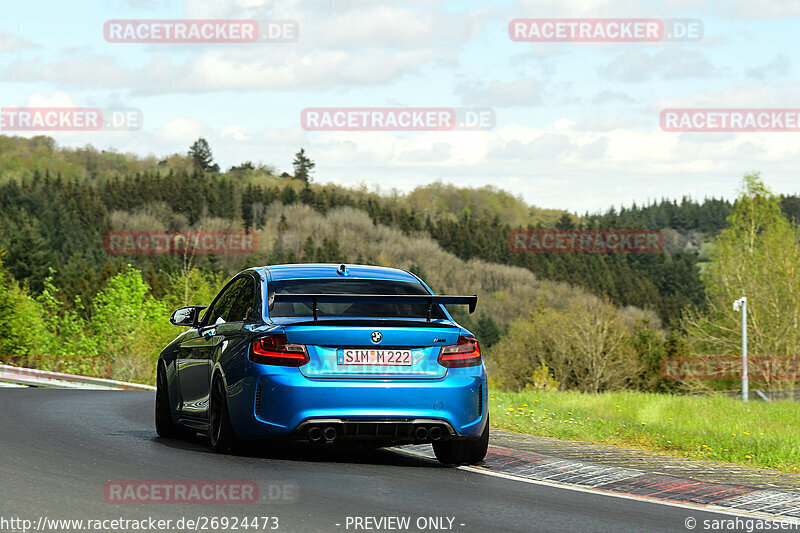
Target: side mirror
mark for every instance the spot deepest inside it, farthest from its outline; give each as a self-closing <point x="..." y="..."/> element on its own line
<point x="187" y="316"/>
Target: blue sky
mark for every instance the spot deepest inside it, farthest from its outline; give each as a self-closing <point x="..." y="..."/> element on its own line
<point x="577" y="123"/>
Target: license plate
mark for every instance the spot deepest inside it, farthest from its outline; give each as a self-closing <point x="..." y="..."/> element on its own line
<point x="357" y="356"/>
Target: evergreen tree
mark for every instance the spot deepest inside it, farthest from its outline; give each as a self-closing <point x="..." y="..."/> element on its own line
<point x="415" y="269"/>
<point x="309" y="251"/>
<point x="28" y="255"/>
<point x="200" y="152"/>
<point x="565" y="222"/>
<point x="487" y="331"/>
<point x="303" y="166"/>
<point x="288" y="196"/>
<point x="283" y="224"/>
<point x="330" y="252"/>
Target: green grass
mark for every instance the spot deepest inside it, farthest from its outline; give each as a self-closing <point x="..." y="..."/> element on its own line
<point x="708" y="428"/>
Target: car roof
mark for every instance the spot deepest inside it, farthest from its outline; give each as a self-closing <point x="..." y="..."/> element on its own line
<point x="329" y="271"/>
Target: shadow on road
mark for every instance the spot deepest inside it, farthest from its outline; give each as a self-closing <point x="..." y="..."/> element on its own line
<point x="302" y="451"/>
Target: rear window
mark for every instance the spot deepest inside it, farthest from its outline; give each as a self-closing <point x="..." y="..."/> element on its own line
<point x="350" y="286"/>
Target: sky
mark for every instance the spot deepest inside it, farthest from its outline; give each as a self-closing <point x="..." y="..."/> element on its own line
<point x="576" y="124"/>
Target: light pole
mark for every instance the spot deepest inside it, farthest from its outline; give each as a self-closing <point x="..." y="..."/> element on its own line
<point x="742" y="303"/>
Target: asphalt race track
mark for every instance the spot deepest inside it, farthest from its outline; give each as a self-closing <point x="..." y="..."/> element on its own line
<point x="60" y="447"/>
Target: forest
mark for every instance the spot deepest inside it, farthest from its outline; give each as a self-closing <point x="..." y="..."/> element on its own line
<point x="74" y="306"/>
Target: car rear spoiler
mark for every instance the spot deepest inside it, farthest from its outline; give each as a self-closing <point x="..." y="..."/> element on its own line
<point x="431" y="299"/>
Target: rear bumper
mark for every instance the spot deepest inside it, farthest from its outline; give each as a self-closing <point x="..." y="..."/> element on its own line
<point x="382" y="429"/>
<point x="281" y="402"/>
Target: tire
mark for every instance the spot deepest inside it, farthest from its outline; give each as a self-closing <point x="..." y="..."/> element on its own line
<point x="165" y="427"/>
<point x="221" y="436"/>
<point x="463" y="452"/>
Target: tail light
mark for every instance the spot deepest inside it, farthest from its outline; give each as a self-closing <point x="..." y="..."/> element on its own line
<point x="276" y="350"/>
<point x="465" y="352"/>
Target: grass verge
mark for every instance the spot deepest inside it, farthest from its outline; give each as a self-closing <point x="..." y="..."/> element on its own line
<point x="708" y="428"/>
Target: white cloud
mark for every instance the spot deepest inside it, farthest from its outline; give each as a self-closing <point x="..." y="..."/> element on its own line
<point x="742" y="10"/>
<point x="779" y="66"/>
<point x="600" y="123"/>
<point x="235" y="133"/>
<point x="181" y="131"/>
<point x="361" y="44"/>
<point x="560" y="165"/>
<point x="437" y="153"/>
<point x="10" y="42"/>
<point x="577" y="8"/>
<point x="524" y="92"/>
<point x="751" y="95"/>
<point x="57" y="99"/>
<point x="380" y="52"/>
<point x="238" y="70"/>
<point x="608" y="96"/>
<point x="87" y="72"/>
<point x="764" y="9"/>
<point x="635" y="65"/>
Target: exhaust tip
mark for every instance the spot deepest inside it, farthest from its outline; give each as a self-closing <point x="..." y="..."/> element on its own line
<point x="329" y="433"/>
<point x="421" y="433"/>
<point x="435" y="433"/>
<point x="314" y="434"/>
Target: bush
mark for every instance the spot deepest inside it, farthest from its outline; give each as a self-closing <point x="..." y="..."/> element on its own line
<point x="590" y="346"/>
<point x="21" y="318"/>
<point x="130" y="326"/>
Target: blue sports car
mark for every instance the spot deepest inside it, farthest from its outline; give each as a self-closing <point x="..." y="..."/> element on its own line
<point x="324" y="353"/>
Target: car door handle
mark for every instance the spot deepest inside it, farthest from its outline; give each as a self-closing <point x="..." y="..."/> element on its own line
<point x="208" y="333"/>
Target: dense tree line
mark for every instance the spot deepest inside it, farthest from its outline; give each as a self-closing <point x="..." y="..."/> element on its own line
<point x="50" y="221"/>
<point x="55" y="272"/>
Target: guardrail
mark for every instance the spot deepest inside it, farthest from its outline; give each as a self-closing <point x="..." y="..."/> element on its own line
<point x="31" y="377"/>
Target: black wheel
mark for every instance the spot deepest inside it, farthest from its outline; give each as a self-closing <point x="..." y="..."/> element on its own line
<point x="165" y="427"/>
<point x="220" y="432"/>
<point x="463" y="452"/>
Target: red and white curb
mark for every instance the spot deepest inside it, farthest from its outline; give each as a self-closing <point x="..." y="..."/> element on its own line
<point x="628" y="483"/>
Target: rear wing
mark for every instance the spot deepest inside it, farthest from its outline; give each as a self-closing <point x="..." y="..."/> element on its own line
<point x="428" y="299"/>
